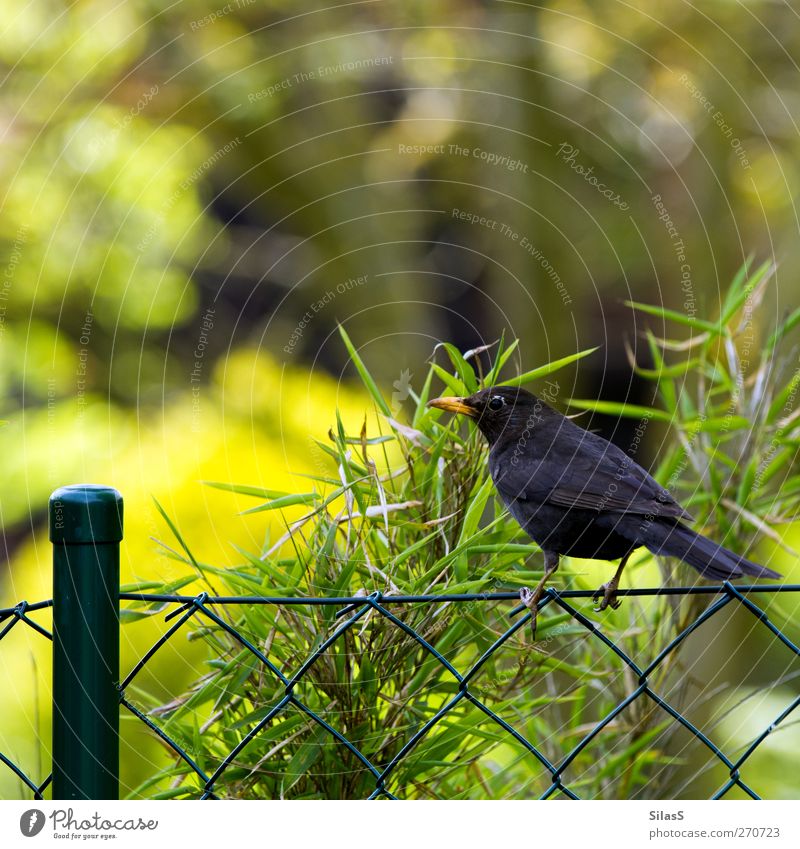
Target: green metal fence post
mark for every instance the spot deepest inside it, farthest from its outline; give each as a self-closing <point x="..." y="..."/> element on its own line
<point x="86" y="530"/>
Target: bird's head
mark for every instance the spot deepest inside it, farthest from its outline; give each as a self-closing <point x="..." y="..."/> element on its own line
<point x="498" y="411"/>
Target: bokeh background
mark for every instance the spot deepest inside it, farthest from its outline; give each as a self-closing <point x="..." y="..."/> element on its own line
<point x="193" y="196"/>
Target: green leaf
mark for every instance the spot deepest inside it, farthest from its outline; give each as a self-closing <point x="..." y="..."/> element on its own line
<point x="128" y="615"/>
<point x="615" y="408"/>
<point x="666" y="372"/>
<point x="421" y="412"/>
<point x="777" y="463"/>
<point x="455" y="553"/>
<point x="666" y="386"/>
<point x="549" y="368"/>
<point x="241" y="489"/>
<point x="738" y="293"/>
<point x="306" y="498"/>
<point x="337" y="457"/>
<point x="454" y="385"/>
<point x="367" y="679"/>
<point x="777" y="408"/>
<point x="716" y="423"/>
<point x="504" y="548"/>
<point x="786" y="326"/>
<point x="501" y="359"/>
<point x="366" y="377"/>
<point x="176" y="533"/>
<point x="373" y="440"/>
<point x="736" y="287"/>
<point x="715" y="328"/>
<point x="475" y="507"/>
<point x="308" y="753"/>
<point x="464" y="369"/>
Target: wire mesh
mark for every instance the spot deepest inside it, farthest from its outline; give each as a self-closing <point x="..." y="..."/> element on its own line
<point x="354" y="609"/>
<point x="13" y="617"/>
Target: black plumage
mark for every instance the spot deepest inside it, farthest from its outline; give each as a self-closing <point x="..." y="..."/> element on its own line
<point x="577" y="494"/>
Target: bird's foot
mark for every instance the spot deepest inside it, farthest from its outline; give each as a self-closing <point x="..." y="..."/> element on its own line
<point x="609" y="595"/>
<point x="531" y="600"/>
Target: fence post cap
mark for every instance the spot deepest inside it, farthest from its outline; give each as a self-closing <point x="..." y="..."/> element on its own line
<point x="85" y="513"/>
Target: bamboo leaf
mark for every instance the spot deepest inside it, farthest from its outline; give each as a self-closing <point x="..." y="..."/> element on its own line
<point x="307" y="498"/>
<point x="549" y="368"/>
<point x="716" y="423"/>
<point x="503" y="355"/>
<point x="786" y="326"/>
<point x="465" y="371"/>
<point x="715" y="328"/>
<point x="453" y="384"/>
<point x="422" y="401"/>
<point x="241" y="489"/>
<point x="366" y="377"/>
<point x="616" y="408"/>
<point x="176" y="533"/>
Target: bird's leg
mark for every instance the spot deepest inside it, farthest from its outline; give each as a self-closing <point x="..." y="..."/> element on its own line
<point x="530" y="598"/>
<point x="609" y="590"/>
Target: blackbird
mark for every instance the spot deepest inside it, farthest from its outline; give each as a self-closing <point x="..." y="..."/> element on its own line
<point x="577" y="494"/>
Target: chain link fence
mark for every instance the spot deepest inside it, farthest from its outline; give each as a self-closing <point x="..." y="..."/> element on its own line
<point x="87" y="704"/>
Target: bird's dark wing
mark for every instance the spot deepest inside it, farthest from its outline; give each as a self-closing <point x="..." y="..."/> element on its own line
<point x="580" y="469"/>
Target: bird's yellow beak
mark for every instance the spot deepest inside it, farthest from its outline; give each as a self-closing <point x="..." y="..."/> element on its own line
<point x="453" y="405"/>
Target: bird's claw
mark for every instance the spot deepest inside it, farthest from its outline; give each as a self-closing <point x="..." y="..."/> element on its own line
<point x="528" y="597"/>
<point x="609" y="595"/>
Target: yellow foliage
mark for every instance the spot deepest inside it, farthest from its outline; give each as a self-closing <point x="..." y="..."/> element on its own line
<point x="253" y="425"/>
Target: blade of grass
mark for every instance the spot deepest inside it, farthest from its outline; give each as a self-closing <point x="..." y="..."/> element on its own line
<point x="679" y="318"/>
<point x="549" y="368"/>
<point x="615" y="408"/>
<point x="366" y="377"/>
<point x="465" y="371"/>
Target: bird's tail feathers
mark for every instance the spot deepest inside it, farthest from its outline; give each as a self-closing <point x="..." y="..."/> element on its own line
<point x="709" y="558"/>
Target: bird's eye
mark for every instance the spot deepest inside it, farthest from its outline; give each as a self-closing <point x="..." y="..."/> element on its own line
<point x="496" y="403"/>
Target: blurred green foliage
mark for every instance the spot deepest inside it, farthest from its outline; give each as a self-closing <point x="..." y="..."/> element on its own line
<point x="409" y="509"/>
<point x="162" y="161"/>
<point x="193" y="197"/>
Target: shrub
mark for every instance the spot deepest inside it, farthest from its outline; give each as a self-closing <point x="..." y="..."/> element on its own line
<point x="408" y="509"/>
